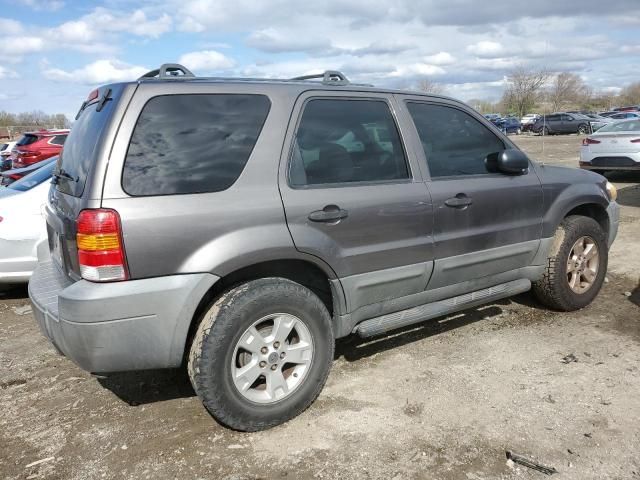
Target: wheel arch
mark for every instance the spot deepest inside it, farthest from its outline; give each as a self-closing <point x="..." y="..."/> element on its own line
<point x="316" y="276"/>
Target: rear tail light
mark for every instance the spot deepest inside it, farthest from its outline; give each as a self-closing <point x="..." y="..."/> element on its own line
<point x="100" y="248"/>
<point x="636" y="140"/>
<point x="15" y="176"/>
<point x="589" y="141"/>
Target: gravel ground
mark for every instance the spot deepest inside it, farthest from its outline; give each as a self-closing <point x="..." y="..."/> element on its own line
<point x="441" y="401"/>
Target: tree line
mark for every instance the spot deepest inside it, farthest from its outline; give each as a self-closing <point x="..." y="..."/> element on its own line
<point x="34" y="119"/>
<point x="541" y="91"/>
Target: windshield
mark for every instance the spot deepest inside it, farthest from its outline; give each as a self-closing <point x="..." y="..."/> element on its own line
<point x="631" y="126"/>
<point x="27" y="139"/>
<point x="34" y="178"/>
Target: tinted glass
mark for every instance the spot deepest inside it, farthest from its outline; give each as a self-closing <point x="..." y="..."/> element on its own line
<point x="27" y="140"/>
<point x="34" y="178"/>
<point x="346" y="141"/>
<point x="192" y="143"/>
<point x="553" y="118"/>
<point x="454" y="142"/>
<point x="58" y="140"/>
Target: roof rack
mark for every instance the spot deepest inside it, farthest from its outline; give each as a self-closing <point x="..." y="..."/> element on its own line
<point x="168" y="71"/>
<point x="175" y="71"/>
<point x="330" y="77"/>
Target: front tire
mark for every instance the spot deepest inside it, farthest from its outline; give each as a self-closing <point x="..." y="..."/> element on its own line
<point x="261" y="354"/>
<point x="576" y="266"/>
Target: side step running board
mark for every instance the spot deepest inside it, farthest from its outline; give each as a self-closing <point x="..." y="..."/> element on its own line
<point x="391" y="321"/>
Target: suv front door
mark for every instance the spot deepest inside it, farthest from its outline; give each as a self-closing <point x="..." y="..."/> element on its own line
<point x="354" y="196"/>
<point x="485" y="223"/>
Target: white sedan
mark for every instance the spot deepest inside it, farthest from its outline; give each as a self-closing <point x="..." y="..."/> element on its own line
<point x="22" y="225"/>
<point x="615" y="146"/>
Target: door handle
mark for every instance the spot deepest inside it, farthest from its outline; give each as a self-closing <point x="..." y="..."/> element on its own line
<point x="459" y="201"/>
<point x="330" y="213"/>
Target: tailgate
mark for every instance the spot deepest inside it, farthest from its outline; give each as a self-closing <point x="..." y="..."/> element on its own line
<point x="79" y="173"/>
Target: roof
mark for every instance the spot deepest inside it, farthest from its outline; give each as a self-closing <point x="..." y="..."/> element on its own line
<point x="48" y="132"/>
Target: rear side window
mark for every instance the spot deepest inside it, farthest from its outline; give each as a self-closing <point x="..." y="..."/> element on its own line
<point x="192" y="143"/>
<point x="58" y="140"/>
<point x="454" y="142"/>
<point x="346" y="141"/>
<point x="27" y="140"/>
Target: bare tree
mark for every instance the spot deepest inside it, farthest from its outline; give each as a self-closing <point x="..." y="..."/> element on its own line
<point x="429" y="86"/>
<point x="524" y="87"/>
<point x="630" y="95"/>
<point x="567" y="89"/>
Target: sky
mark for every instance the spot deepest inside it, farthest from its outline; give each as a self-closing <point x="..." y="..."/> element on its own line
<point x="54" y="52"/>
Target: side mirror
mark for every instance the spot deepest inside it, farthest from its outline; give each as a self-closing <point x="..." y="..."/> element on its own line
<point x="510" y="162"/>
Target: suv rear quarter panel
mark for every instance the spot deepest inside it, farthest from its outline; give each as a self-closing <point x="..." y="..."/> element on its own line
<point x="206" y="232"/>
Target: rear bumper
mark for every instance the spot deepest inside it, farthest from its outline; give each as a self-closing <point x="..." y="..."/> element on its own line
<point x="610" y="161"/>
<point x="110" y="327"/>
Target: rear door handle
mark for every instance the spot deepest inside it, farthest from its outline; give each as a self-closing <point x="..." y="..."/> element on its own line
<point x="330" y="213"/>
<point x="459" y="201"/>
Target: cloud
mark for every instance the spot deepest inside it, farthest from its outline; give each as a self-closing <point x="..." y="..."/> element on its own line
<point x="7" y="73"/>
<point x="98" y="72"/>
<point x="9" y="26"/>
<point x="440" y="58"/>
<point x="206" y="61"/>
<point x="43" y="5"/>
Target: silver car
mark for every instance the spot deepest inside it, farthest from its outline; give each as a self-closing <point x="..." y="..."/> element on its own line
<point x="615" y="146"/>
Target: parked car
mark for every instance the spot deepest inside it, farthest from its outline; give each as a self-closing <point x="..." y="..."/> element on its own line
<point x="21" y="224"/>
<point x="613" y="147"/>
<point x="624" y="115"/>
<point x="558" y="123"/>
<point x="630" y="108"/>
<point x="37" y="146"/>
<point x="5" y="153"/>
<point x="597" y="121"/>
<point x="509" y="125"/>
<point x="300" y="229"/>
<point x="10" y="176"/>
<point x="607" y="114"/>
<point x="528" y="120"/>
<point x="492" y="117"/>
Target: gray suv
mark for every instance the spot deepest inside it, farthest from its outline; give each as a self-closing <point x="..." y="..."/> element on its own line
<point x="237" y="227"/>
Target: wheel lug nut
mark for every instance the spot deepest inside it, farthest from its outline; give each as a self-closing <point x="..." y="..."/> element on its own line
<point x="276" y="344"/>
<point x="274" y="366"/>
<point x="263" y="364"/>
<point x="282" y="355"/>
<point x="264" y="350"/>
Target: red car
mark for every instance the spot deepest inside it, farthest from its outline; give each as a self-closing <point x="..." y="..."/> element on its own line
<point x="34" y="147"/>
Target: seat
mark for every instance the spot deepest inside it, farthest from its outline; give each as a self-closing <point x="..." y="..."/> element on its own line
<point x="334" y="165"/>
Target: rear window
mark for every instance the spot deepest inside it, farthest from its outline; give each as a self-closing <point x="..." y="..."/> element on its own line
<point x="78" y="155"/>
<point x="27" y="140"/>
<point x="192" y="143"/>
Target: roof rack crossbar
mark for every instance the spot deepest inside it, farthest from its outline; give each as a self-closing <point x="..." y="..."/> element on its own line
<point x="168" y="71"/>
<point x="330" y="77"/>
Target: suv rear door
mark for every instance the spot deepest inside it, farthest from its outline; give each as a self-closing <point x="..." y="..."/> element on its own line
<point x="484" y="223"/>
<point x="77" y="185"/>
<point x="354" y="196"/>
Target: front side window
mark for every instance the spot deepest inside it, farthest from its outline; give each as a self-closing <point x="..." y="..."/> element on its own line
<point x="192" y="143"/>
<point x="347" y="141"/>
<point x="454" y="142"/>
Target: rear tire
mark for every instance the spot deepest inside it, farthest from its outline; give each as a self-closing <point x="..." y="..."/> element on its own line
<point x="583" y="129"/>
<point x="572" y="279"/>
<point x="236" y="362"/>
